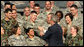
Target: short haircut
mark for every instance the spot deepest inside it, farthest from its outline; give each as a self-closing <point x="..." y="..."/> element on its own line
<point x="70" y="15"/>
<point x="54" y="18"/>
<point x="7" y="10"/>
<point x="75" y="6"/>
<point x="36" y="5"/>
<point x="12" y="5"/>
<point x="48" y="1"/>
<point x="60" y="13"/>
<point x="30" y="1"/>
<point x="27" y="30"/>
<point x="34" y="12"/>
<point x="7" y="3"/>
<point x="26" y="7"/>
<point x="76" y="27"/>
<point x="52" y="14"/>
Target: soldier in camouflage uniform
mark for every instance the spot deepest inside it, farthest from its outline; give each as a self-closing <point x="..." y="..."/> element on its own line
<point x="7" y="5"/>
<point x="17" y="39"/>
<point x="31" y="5"/>
<point x="48" y="9"/>
<point x="40" y="15"/>
<point x="8" y="23"/>
<point x="13" y="7"/>
<point x="70" y="3"/>
<point x="31" y="22"/>
<point x="17" y="17"/>
<point x="41" y="19"/>
<point x="69" y="23"/>
<point x="74" y="39"/>
<point x="77" y="18"/>
<point x="53" y="6"/>
<point x="33" y="40"/>
<point x="26" y="15"/>
<point x="19" y="20"/>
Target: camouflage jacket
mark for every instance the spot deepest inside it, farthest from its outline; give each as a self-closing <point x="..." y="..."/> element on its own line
<point x="8" y="25"/>
<point x="55" y="8"/>
<point x="79" y="22"/>
<point x="36" y="41"/>
<point x="4" y="41"/>
<point x="74" y="41"/>
<point x="52" y="11"/>
<point x="17" y="41"/>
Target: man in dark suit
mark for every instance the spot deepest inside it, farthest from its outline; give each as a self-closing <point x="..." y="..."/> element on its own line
<point x="54" y="34"/>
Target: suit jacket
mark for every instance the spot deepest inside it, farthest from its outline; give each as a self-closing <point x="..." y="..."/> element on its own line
<point x="54" y="35"/>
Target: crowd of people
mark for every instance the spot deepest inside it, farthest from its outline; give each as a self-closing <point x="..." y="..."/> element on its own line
<point x="42" y="27"/>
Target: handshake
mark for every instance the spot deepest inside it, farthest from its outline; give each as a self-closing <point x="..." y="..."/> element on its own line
<point x="41" y="29"/>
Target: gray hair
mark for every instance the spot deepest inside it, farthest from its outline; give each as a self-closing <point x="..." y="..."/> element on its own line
<point x="54" y="17"/>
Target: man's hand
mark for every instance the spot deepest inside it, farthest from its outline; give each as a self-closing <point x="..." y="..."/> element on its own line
<point x="46" y="44"/>
<point x="41" y="28"/>
<point x="41" y="33"/>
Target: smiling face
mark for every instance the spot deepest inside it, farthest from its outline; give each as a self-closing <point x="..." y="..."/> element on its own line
<point x="48" y="5"/>
<point x="68" y="20"/>
<point x="59" y="15"/>
<point x="9" y="14"/>
<point x="33" y="16"/>
<point x="48" y="18"/>
<point x="73" y="10"/>
<point x="73" y="30"/>
<point x="31" y="32"/>
<point x="14" y="7"/>
<point x="7" y="6"/>
<point x="31" y="4"/>
<point x="18" y="31"/>
<point x="14" y="13"/>
<point x="52" y="2"/>
<point x="37" y="9"/>
<point x="26" y="11"/>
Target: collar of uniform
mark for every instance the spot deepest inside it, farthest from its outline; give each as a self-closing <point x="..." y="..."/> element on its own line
<point x="24" y="17"/>
<point x="18" y="37"/>
<point x="32" y="38"/>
